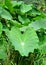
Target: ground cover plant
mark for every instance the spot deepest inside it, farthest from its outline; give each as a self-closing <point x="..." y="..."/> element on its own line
<point x="22" y="34"/>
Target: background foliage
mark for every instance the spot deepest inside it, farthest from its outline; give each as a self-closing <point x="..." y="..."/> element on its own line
<point x="23" y="32"/>
<point x="40" y="4"/>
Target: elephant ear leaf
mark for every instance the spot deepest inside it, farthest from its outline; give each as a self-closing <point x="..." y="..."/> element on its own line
<point x="24" y="43"/>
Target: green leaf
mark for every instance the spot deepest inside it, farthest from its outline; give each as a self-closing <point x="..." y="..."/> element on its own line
<point x="0" y="28"/>
<point x="34" y="13"/>
<point x="25" y="8"/>
<point x="9" y="5"/>
<point x="24" y="43"/>
<point x="15" y="23"/>
<point x="15" y="3"/>
<point x="23" y="19"/>
<point x="39" y="23"/>
<point x="20" y="3"/>
<point x="5" y="14"/>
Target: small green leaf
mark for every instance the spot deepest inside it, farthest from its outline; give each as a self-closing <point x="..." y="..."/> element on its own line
<point x="9" y="5"/>
<point x="15" y="23"/>
<point x="39" y="23"/>
<point x="5" y="14"/>
<point x="25" y="8"/>
<point x="15" y="3"/>
<point x="34" y="13"/>
<point x="23" y="19"/>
